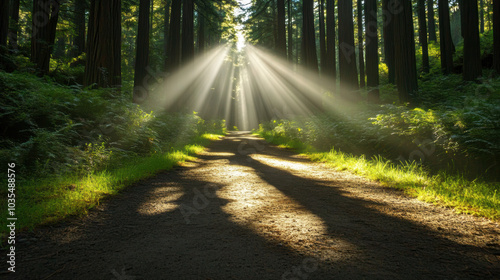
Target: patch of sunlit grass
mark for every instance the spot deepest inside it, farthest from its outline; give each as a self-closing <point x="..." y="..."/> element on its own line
<point x="50" y="200"/>
<point x="465" y="196"/>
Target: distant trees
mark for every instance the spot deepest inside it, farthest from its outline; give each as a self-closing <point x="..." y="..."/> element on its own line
<point x="388" y="19"/>
<point x="348" y="74"/>
<point x="79" y="23"/>
<point x="432" y="21"/>
<point x="103" y="65"/>
<point x="361" y="59"/>
<point x="322" y="37"/>
<point x="14" y="28"/>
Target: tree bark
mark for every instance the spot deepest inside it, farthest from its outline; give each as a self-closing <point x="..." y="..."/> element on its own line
<point x="290" y="32"/>
<point x="496" y="36"/>
<point x="14" y="29"/>
<point x="166" y="25"/>
<point x="44" y="23"/>
<point x="348" y="74"/>
<point x="331" y="60"/>
<point x="361" y="59"/>
<point x="389" y="40"/>
<point x="404" y="50"/>
<point x="174" y="46"/>
<point x="281" y="32"/>
<point x="187" y="30"/>
<point x="446" y="43"/>
<point x="422" y="35"/>
<point x="103" y="67"/>
<point x="79" y="22"/>
<point x="201" y="33"/>
<point x="322" y="36"/>
<point x="371" y="28"/>
<point x="432" y="21"/>
<point x="142" y="53"/>
<point x="309" y="56"/>
<point x="4" y="21"/>
<point x="481" y="15"/>
<point x="472" y="55"/>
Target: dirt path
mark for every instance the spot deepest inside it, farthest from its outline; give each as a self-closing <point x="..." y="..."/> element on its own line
<point x="247" y="210"/>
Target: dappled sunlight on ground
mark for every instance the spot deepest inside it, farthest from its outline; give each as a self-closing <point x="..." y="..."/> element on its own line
<point x="161" y="200"/>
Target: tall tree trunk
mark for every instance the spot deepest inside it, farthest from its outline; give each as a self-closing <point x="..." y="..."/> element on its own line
<point x="44" y="23"/>
<point x="281" y="32"/>
<point x="290" y="32"/>
<point x="187" y="30"/>
<point x="103" y="66"/>
<point x="14" y="29"/>
<point x="481" y="15"/>
<point x="432" y="21"/>
<point x="275" y="23"/>
<point x="404" y="50"/>
<point x="174" y="46"/>
<point x="389" y="40"/>
<point x="422" y="35"/>
<point x="142" y="53"/>
<point x="361" y="58"/>
<point x="4" y="21"/>
<point x="331" y="60"/>
<point x="201" y="33"/>
<point x="79" y="22"/>
<point x="472" y="55"/>
<point x="166" y="25"/>
<point x="496" y="36"/>
<point x="322" y="37"/>
<point x="371" y="28"/>
<point x="446" y="43"/>
<point x="348" y="74"/>
<point x="309" y="56"/>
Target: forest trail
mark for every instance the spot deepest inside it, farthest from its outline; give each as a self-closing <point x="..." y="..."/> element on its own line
<point x="249" y="210"/>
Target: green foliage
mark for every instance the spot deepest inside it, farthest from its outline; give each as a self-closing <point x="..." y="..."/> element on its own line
<point x="53" y="129"/>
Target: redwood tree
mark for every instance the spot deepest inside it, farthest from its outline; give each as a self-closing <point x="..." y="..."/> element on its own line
<point x="79" y="23"/>
<point x="372" y="77"/>
<point x="281" y="32"/>
<point x="142" y="53"/>
<point x="14" y="28"/>
<point x="201" y="33"/>
<point x="290" y="32"/>
<point x="432" y="21"/>
<point x="166" y="28"/>
<point x="44" y="23"/>
<point x="103" y="66"/>
<point x="322" y="37"/>
<point x="347" y="55"/>
<point x="472" y="55"/>
<point x="187" y="30"/>
<point x="4" y="21"/>
<point x="309" y="56"/>
<point x="174" y="42"/>
<point x="404" y="51"/>
<point x="331" y="61"/>
<point x="361" y="58"/>
<point x="446" y="43"/>
<point x="422" y="35"/>
<point x="496" y="36"/>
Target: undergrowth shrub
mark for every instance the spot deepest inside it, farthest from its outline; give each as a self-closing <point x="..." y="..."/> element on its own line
<point x="49" y="129"/>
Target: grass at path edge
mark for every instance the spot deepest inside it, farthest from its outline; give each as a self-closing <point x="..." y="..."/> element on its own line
<point x="465" y="196"/>
<point x="51" y="200"/>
